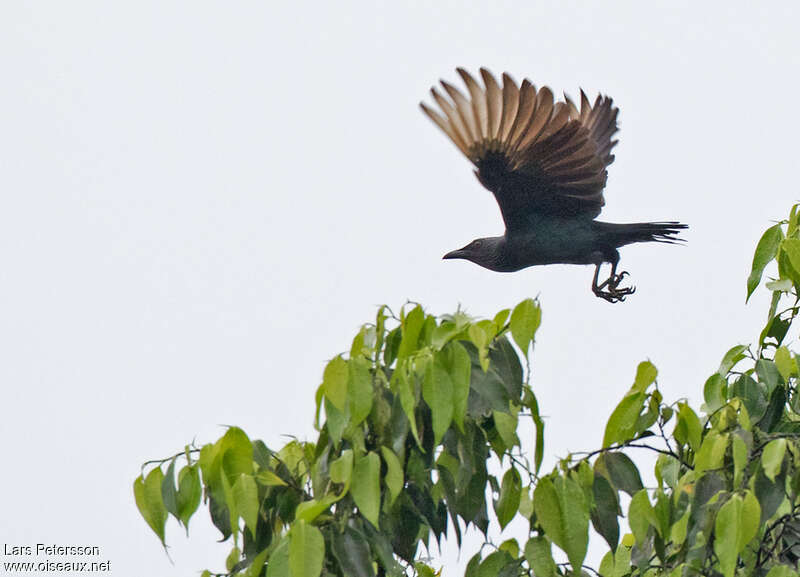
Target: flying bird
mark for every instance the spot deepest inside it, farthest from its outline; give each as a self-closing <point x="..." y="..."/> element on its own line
<point x="546" y="164"/>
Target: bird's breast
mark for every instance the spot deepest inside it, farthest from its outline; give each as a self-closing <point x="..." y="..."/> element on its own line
<point x="552" y="242"/>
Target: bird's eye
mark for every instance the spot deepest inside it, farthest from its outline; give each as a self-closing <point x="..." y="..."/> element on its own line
<point x="476" y="244"/>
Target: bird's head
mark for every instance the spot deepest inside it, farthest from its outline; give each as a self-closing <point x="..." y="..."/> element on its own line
<point x="486" y="252"/>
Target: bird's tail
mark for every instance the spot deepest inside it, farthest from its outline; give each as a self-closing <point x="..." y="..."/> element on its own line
<point x="622" y="234"/>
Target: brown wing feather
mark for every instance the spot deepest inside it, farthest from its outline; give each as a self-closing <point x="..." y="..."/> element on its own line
<point x="510" y="107"/>
<point x="537" y="155"/>
<point x="494" y="103"/>
<point x="527" y="106"/>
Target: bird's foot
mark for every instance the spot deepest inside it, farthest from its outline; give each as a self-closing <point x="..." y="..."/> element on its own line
<point x="613" y="293"/>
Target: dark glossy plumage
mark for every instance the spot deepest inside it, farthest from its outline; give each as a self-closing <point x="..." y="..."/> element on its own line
<point x="546" y="164"/>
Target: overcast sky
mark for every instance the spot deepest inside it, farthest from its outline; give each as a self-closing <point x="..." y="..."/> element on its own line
<point x="202" y="202"/>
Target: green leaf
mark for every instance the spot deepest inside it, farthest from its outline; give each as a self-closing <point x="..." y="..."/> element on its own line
<point x="772" y="458"/>
<point x="783" y="285"/>
<point x="787" y="366"/>
<point x="169" y="494"/>
<point x="269" y="479"/>
<point x="412" y="325"/>
<point x="529" y="400"/>
<point x="729" y="360"/>
<point x="394" y="474"/>
<point x="540" y="557"/>
<point x="230" y="502"/>
<point x="715" y="392"/>
<point x="766" y="250"/>
<point x="351" y="550"/>
<point x="245" y="495"/>
<point x="510" y="546"/>
<point x="606" y="568"/>
<point x="740" y="459"/>
<point x="646" y="374"/>
<point x="506" y="425"/>
<point x="473" y="565"/>
<point x="443" y="333"/>
<point x="562" y="512"/>
<point x="147" y="493"/>
<point x="584" y="476"/>
<point x="318" y="396"/>
<point x="306" y="550"/>
<point x="257" y="565"/>
<point x="494" y="564"/>
<point x="190" y="492"/>
<point x="667" y="470"/>
<point x="335" y="422"/>
<point x="310" y="510"/>
<point x="341" y="469"/>
<point x="782" y="571"/>
<point x="688" y="429"/>
<point x="771" y="495"/>
<point x="229" y="457"/>
<point x="380" y="330"/>
<point x="403" y="387"/>
<point x="456" y="362"/>
<point x="525" y="320"/>
<point x="617" y="563"/>
<point x="768" y="374"/>
<point x="621" y="423"/>
<point x="604" y="514"/>
<point x="481" y="334"/>
<point x="278" y="565"/>
<point x="233" y="558"/>
<point x="640" y="515"/>
<point x="359" y="389"/>
<point x="334" y="382"/>
<point x="437" y="390"/>
<point x="262" y="455"/>
<point x="736" y="524"/>
<point x="525" y="503"/>
<point x="775" y="409"/>
<point x="752" y="394"/>
<point x="661" y="513"/>
<point x="501" y="317"/>
<point x="365" y="486"/>
<point x="237" y="454"/>
<point x="392" y="347"/>
<point x="507" y="504"/>
<point x="750" y="520"/>
<point x="678" y="531"/>
<point x="357" y="348"/>
<point x="711" y="453"/>
<point x="790" y="247"/>
<point x="622" y="472"/>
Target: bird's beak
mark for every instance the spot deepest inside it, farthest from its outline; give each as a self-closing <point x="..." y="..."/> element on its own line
<point x="455" y="254"/>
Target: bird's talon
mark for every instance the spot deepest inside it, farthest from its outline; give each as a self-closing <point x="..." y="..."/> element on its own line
<point x="610" y="291"/>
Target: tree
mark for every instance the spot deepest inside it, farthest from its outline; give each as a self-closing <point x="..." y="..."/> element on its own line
<point x="420" y="404"/>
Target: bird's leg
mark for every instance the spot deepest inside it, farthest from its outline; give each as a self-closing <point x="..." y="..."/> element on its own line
<point x="612" y="292"/>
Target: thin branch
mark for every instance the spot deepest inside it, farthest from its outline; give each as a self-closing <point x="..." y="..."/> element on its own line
<point x="162" y="461"/>
<point x="635" y="446"/>
<point x="587" y="567"/>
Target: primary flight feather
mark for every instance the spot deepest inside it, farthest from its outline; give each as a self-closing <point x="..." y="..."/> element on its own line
<point x="546" y="164"/>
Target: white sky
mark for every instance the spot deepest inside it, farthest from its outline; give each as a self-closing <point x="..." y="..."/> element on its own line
<point x="201" y="203"/>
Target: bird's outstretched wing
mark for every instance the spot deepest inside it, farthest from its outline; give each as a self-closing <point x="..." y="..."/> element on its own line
<point x="537" y="156"/>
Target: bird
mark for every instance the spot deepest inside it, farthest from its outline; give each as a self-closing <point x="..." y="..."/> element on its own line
<point x="546" y="163"/>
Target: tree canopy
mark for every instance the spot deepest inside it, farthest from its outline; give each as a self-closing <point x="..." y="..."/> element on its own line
<point x="410" y="417"/>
